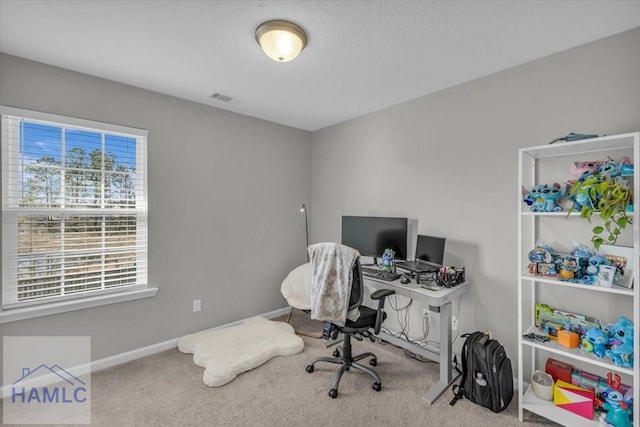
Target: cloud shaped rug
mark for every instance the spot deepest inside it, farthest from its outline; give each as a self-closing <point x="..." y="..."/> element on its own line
<point x="227" y="352"/>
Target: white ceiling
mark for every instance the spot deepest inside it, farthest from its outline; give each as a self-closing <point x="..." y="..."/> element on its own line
<point x="362" y="56"/>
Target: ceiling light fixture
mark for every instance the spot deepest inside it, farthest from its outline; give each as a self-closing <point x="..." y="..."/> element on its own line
<point x="281" y="40"/>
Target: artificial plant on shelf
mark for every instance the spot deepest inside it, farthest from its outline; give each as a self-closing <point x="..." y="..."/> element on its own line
<point x="608" y="197"/>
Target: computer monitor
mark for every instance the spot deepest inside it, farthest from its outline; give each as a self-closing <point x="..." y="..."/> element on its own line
<point x="430" y="248"/>
<point x="371" y="235"/>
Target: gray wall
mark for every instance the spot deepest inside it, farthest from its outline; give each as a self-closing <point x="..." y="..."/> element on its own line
<point x="450" y="160"/>
<point x="224" y="207"/>
<point x="447" y="160"/>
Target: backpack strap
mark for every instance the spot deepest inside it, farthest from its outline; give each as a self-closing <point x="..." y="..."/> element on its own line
<point x="458" y="389"/>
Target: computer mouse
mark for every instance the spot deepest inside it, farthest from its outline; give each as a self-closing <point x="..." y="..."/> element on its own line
<point x="404" y="280"/>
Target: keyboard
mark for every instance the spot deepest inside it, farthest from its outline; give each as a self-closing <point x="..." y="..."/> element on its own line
<point x="376" y="273"/>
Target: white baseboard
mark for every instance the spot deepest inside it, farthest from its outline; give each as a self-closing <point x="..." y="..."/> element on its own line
<point x="128" y="356"/>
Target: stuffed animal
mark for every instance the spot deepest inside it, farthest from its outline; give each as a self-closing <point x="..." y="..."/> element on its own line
<point x="568" y="268"/>
<point x="618" y="410"/>
<point x="552" y="194"/>
<point x="387" y="260"/>
<point x="595" y="262"/>
<point x="584" y="196"/>
<point x="621" y="350"/>
<point x="544" y="197"/>
<point x="534" y="198"/>
<point x="595" y="341"/>
<point x="582" y="169"/>
<point x="612" y="168"/>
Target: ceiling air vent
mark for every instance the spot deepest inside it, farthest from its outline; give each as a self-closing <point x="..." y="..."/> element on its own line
<point x="221" y="97"/>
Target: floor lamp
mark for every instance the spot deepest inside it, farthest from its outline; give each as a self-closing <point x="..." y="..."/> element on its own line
<point x="303" y="208"/>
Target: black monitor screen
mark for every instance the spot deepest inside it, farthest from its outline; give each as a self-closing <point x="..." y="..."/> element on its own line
<point x="371" y="235"/>
<point x="429" y="248"/>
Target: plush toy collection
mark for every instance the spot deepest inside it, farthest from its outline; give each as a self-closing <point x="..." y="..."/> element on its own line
<point x="580" y="266"/>
<point x="615" y="341"/>
<point x="550" y="197"/>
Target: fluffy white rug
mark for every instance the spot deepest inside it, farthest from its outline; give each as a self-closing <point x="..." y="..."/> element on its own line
<point x="226" y="353"/>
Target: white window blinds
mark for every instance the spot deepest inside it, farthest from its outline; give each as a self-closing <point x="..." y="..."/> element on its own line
<point x="73" y="206"/>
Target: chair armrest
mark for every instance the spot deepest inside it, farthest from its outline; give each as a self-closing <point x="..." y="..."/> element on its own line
<point x="380" y="295"/>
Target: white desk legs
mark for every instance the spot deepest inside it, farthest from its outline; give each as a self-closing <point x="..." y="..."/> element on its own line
<point x="438" y="302"/>
<point x="446" y="376"/>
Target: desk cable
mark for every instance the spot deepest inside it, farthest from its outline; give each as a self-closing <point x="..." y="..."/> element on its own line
<point x="422" y="341"/>
<point x="404" y="324"/>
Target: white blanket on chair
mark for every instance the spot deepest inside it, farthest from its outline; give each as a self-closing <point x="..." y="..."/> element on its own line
<point x="331" y="275"/>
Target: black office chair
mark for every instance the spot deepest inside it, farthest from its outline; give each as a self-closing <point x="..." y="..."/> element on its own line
<point x="369" y="319"/>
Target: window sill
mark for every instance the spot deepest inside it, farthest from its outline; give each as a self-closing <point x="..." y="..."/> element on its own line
<point x="17" y="314"/>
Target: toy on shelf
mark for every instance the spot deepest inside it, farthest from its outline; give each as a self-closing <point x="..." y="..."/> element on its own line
<point x="612" y="168"/>
<point x="581" y="169"/>
<point x="568" y="268"/>
<point x="609" y="167"/>
<point x="621" y="342"/>
<point x="586" y="195"/>
<point x="534" y="198"/>
<point x="545" y="197"/>
<point x="618" y="410"/>
<point x="595" y="341"/>
<point x="581" y="250"/>
<point x="571" y="267"/>
<point x="542" y="260"/>
<point x="585" y="189"/>
<point x="593" y="267"/>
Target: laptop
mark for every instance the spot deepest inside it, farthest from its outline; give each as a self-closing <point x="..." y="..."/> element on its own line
<point x="429" y="255"/>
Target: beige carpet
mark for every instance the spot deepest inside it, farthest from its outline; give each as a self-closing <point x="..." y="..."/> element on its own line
<point x="166" y="389"/>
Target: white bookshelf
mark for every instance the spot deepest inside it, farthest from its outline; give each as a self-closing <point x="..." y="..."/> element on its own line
<point x="530" y="287"/>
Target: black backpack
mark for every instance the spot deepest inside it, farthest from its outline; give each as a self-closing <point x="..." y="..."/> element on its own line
<point x="486" y="373"/>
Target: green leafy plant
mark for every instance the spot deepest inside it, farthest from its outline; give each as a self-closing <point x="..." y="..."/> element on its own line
<point x="608" y="197"/>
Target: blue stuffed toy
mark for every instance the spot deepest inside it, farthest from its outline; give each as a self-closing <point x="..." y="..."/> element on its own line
<point x="593" y="266"/>
<point x="621" y="342"/>
<point x="544" y="197"/>
<point x="387" y="260"/>
<point x="534" y="198"/>
<point x="552" y="195"/>
<point x="595" y="341"/>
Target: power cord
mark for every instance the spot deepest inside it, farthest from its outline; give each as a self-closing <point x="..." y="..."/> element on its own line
<point x="404" y="323"/>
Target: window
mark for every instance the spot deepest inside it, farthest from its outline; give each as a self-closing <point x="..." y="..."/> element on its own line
<point x="74" y="210"/>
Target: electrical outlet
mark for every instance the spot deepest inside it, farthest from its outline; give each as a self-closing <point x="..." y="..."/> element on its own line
<point x="197" y="305"/>
<point x="426" y="314"/>
<point x="454" y="323"/>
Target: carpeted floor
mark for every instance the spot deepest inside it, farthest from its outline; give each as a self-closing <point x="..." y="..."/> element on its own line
<point x="166" y="389"/>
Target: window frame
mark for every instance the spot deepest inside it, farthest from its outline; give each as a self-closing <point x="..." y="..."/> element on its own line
<point x="19" y="310"/>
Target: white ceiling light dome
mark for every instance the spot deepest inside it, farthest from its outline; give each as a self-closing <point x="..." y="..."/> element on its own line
<point x="281" y="40"/>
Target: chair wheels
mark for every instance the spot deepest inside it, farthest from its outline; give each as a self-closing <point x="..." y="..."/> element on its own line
<point x="336" y="353"/>
<point x="333" y="393"/>
<point x="309" y="368"/>
<point x="377" y="386"/>
<point x="373" y="362"/>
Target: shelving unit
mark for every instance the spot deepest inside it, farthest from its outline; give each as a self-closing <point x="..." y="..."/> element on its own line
<point x="536" y="166"/>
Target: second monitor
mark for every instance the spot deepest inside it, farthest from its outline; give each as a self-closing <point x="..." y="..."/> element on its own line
<point x="429" y="255"/>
